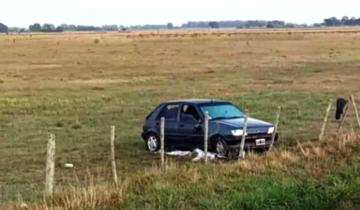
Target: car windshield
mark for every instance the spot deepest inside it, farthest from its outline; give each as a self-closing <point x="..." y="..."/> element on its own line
<point x="217" y="111"/>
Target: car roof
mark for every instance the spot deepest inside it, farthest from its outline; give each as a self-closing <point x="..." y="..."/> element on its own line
<point x="197" y="101"/>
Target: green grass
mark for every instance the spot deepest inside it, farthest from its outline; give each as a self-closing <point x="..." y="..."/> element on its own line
<point x="340" y="190"/>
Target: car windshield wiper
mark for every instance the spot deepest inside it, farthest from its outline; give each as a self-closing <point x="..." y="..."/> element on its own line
<point x="234" y="117"/>
<point x="231" y="117"/>
<point x="218" y="118"/>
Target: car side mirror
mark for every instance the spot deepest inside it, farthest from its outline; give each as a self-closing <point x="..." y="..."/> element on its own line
<point x="197" y="126"/>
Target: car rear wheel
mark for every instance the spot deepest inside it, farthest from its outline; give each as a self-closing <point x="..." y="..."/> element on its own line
<point x="220" y="147"/>
<point x="152" y="143"/>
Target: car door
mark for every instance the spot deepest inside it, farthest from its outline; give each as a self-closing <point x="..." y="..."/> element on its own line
<point x="171" y="114"/>
<point x="190" y="127"/>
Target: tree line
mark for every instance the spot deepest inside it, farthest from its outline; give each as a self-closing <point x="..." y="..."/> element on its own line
<point x="345" y="21"/>
<point x="328" y="22"/>
<point x="241" y="24"/>
<point x="65" y="27"/>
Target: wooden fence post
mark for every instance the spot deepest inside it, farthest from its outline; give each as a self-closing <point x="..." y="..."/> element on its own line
<point x="276" y="126"/>
<point x="356" y="110"/>
<point x="162" y="142"/>
<point x="112" y="150"/>
<point x="323" y="127"/>
<point x="242" y="144"/>
<point x="50" y="167"/>
<point x="206" y="135"/>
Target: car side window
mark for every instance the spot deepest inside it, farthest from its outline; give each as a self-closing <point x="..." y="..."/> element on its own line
<point x="189" y="113"/>
<point x="170" y="112"/>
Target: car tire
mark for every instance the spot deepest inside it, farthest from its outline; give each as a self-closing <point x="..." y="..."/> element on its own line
<point x="221" y="147"/>
<point x="266" y="149"/>
<point x="261" y="150"/>
<point x="152" y="142"/>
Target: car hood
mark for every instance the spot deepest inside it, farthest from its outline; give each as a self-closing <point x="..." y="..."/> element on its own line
<point x="239" y="123"/>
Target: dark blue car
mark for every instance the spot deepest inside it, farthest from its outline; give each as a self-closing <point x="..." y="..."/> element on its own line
<point x="184" y="126"/>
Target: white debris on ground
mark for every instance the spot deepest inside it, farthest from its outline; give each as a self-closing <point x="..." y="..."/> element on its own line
<point x="69" y="165"/>
<point x="198" y="153"/>
<point x="179" y="153"/>
<point x="201" y="155"/>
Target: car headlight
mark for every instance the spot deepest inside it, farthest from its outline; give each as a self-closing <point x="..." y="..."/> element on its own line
<point x="237" y="132"/>
<point x="271" y="130"/>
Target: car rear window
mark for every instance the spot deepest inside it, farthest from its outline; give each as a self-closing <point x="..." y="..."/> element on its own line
<point x="170" y="112"/>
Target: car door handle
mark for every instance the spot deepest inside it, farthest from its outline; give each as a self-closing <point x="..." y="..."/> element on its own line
<point x="182" y="125"/>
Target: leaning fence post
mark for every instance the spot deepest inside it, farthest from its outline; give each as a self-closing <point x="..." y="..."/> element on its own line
<point x="356" y="110"/>
<point x="323" y="127"/>
<point x="275" y="128"/>
<point x="206" y="135"/>
<point x="242" y="144"/>
<point x="50" y="167"/>
<point x="112" y="150"/>
<point x="301" y="149"/>
<point x="162" y="142"/>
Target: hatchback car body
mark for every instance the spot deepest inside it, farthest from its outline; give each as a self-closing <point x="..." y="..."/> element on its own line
<point x="184" y="126"/>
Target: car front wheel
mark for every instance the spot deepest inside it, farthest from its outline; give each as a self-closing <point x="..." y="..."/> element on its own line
<point x="152" y="143"/>
<point x="221" y="147"/>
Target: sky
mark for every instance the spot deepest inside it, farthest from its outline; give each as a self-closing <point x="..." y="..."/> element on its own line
<point x="22" y="13"/>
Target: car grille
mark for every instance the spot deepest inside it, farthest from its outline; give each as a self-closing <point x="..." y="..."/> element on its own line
<point x="253" y="137"/>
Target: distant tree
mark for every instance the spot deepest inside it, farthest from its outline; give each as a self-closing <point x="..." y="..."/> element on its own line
<point x="352" y="21"/>
<point x="68" y="27"/>
<point x="290" y="25"/>
<point x="59" y="29"/>
<point x="270" y="25"/>
<point x="3" y="28"/>
<point x="48" y="28"/>
<point x="332" y="21"/>
<point x="275" y="24"/>
<point x="170" y="26"/>
<point x="255" y="23"/>
<point x="192" y="24"/>
<point x="87" y="28"/>
<point x="110" y="28"/>
<point x="213" y="24"/>
<point x="35" y="27"/>
<point x="122" y="28"/>
<point x="16" y="29"/>
<point x="345" y="20"/>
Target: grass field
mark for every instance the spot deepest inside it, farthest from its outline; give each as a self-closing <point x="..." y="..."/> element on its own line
<point x="77" y="85"/>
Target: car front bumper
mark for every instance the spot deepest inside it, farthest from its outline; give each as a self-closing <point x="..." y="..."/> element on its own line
<point x="252" y="141"/>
